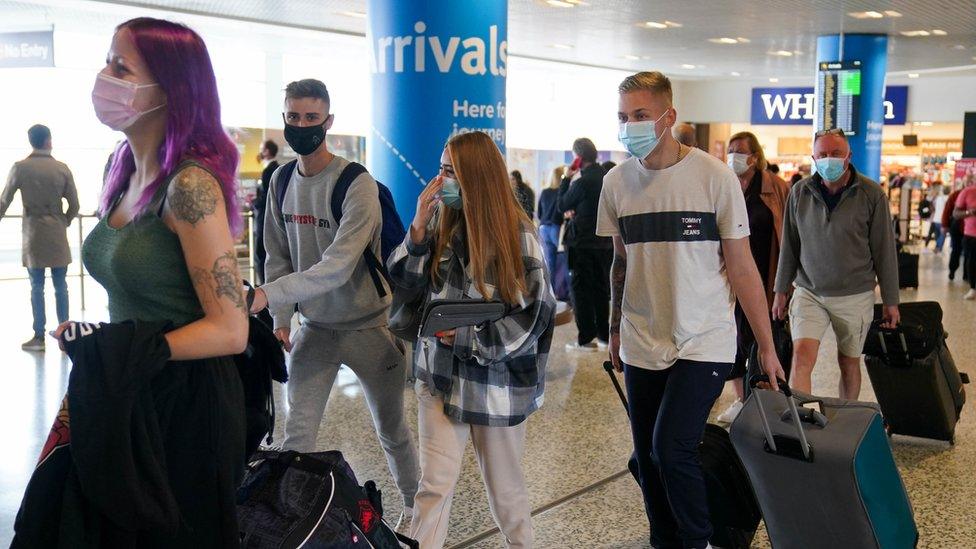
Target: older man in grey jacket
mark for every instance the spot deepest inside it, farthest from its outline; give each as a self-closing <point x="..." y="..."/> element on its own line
<point x="837" y="245"/>
<point x="44" y="185"/>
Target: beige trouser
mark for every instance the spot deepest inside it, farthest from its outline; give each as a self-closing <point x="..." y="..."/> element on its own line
<point x="499" y="452"/>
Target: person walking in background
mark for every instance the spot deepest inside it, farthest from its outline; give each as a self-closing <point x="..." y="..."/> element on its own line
<point x="955" y="231"/>
<point x="470" y="240"/>
<point x="838" y="244"/>
<point x="268" y="156"/>
<point x="765" y="195"/>
<point x="551" y="218"/>
<point x="937" y="229"/>
<point x="523" y="192"/>
<point x="965" y="212"/>
<point x="589" y="255"/>
<point x="44" y="185"/>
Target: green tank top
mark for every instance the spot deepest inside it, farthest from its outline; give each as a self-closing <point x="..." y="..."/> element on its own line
<point x="141" y="266"/>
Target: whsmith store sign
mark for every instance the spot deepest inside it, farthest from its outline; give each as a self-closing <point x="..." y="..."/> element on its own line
<point x="797" y="106"/>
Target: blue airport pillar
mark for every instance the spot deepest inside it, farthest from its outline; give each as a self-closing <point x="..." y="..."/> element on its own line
<point x="872" y="51"/>
<point x="438" y="68"/>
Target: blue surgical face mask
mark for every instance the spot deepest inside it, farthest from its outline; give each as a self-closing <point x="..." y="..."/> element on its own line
<point x="639" y="137"/>
<point x="830" y="168"/>
<point x="451" y="193"/>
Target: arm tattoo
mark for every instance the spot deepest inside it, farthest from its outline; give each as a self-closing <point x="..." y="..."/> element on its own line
<point x="227" y="279"/>
<point x="194" y="196"/>
<point x="618" y="273"/>
<point x="222" y="280"/>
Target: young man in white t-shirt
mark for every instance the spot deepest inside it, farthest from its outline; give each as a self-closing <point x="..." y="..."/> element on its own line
<point x="681" y="257"/>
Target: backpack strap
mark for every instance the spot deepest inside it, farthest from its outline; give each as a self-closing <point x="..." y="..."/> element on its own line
<point x="282" y="181"/>
<point x="377" y="271"/>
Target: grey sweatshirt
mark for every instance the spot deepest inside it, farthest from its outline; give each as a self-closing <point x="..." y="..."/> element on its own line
<point x="318" y="265"/>
<point x="841" y="252"/>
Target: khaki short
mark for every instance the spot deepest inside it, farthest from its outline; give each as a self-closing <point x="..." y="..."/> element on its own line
<point x="849" y="315"/>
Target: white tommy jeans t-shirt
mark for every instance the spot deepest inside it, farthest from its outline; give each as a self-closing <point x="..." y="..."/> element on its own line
<point x="678" y="303"/>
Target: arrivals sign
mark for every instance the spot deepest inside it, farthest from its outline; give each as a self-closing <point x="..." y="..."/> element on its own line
<point x="438" y="69"/>
<point x="797" y="106"/>
<point x="27" y="49"/>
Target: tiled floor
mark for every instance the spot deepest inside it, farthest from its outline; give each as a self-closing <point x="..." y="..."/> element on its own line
<point x="577" y="446"/>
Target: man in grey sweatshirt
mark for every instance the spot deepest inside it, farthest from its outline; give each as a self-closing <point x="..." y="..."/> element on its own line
<point x="318" y="264"/>
<point x="837" y="244"/>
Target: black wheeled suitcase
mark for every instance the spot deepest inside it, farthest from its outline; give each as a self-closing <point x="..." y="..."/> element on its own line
<point x="731" y="503"/>
<point x="826" y="478"/>
<point x="915" y="379"/>
<point x="907" y="270"/>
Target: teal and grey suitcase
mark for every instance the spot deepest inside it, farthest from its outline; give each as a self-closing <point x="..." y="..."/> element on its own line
<point x="824" y="479"/>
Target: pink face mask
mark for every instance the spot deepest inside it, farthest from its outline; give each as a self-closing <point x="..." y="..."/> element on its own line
<point x="113" y="99"/>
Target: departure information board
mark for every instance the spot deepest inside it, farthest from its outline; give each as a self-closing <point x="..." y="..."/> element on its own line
<point x="838" y="95"/>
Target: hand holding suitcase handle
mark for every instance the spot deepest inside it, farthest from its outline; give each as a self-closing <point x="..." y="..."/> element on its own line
<point x="777" y="444"/>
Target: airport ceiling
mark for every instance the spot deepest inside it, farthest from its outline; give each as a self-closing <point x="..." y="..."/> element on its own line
<point x="689" y="39"/>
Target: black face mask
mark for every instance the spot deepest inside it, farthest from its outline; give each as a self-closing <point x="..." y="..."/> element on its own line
<point x="305" y="140"/>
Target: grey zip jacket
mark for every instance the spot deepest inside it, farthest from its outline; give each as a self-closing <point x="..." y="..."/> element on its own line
<point x="842" y="252"/>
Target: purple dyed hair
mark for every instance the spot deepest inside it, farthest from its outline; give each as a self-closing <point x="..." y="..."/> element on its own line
<point x="178" y="59"/>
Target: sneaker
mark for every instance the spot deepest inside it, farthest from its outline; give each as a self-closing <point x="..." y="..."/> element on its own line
<point x="970" y="295"/>
<point x="590" y="347"/>
<point x="952" y="276"/>
<point x="729" y="415"/>
<point x="602" y="345"/>
<point x="403" y="523"/>
<point x="34" y="344"/>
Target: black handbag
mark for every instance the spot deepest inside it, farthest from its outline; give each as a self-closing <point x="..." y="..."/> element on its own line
<point x="406" y="311"/>
<point x="448" y="314"/>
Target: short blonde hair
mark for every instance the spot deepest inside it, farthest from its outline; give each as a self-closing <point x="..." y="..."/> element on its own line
<point x="556" y="177"/>
<point x="654" y="82"/>
<point x="754" y="147"/>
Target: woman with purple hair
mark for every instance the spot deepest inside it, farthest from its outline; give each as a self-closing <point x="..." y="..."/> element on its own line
<point x="164" y="251"/>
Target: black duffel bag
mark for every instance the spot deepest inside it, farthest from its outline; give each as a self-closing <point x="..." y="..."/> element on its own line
<point x="291" y="499"/>
<point x="918" y="334"/>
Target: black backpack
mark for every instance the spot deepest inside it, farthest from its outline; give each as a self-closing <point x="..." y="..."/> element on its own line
<point x="291" y="499"/>
<point x="391" y="235"/>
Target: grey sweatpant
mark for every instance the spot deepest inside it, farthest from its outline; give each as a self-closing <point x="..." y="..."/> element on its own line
<point x="377" y="360"/>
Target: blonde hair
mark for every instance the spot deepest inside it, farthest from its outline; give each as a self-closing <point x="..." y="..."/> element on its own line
<point x="556" y="177"/>
<point x="754" y="148"/>
<point x="654" y="82"/>
<point x="490" y="219"/>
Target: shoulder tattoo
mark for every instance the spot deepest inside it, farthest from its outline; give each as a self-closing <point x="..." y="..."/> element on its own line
<point x="194" y="195"/>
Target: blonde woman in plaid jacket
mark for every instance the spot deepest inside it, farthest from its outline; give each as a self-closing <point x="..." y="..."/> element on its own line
<point x="476" y="382"/>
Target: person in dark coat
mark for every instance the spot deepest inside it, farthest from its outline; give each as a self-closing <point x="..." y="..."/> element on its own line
<point x="590" y="255"/>
<point x="268" y="155"/>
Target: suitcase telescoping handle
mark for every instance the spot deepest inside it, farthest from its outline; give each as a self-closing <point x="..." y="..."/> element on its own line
<point x="608" y="366"/>
<point x="776" y="444"/>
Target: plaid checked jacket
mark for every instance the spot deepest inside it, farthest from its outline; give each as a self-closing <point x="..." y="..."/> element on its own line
<point x="493" y="376"/>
